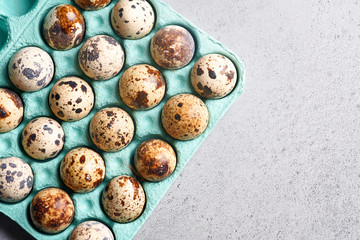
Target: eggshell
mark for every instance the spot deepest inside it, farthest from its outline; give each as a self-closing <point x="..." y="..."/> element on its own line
<point x="185" y="117"/>
<point x="43" y="138"/>
<point x="92" y="5"/>
<point x="11" y="110"/>
<point x="142" y="87"/>
<point x="16" y="179"/>
<point x="71" y="99"/>
<point x="31" y="69"/>
<point x="93" y="230"/>
<point x="123" y="199"/>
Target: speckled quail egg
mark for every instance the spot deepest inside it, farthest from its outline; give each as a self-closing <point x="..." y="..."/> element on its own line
<point x="31" y="69"/>
<point x="172" y="47"/>
<point x="101" y="57"/>
<point x="92" y="5"/>
<point x="132" y="19"/>
<point x="155" y="160"/>
<point x="123" y="199"/>
<point x="111" y="129"/>
<point x="185" y="117"/>
<point x="63" y="27"/>
<point x="71" y="99"/>
<point x="16" y="179"/>
<point x="213" y="76"/>
<point x="11" y="110"/>
<point x="93" y="230"/>
<point x="82" y="169"/>
<point x="142" y="87"/>
<point x="43" y="138"/>
<point x="52" y="210"/>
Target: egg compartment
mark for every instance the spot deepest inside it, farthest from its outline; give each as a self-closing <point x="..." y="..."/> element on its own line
<point x="21" y="29"/>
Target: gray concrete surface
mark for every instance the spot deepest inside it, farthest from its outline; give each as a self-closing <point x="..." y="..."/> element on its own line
<point x="284" y="161"/>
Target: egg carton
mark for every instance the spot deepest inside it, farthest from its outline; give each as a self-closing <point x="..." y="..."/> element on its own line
<point x="20" y="24"/>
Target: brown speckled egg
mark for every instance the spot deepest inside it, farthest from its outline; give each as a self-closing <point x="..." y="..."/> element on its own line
<point x="185" y="117"/>
<point x="93" y="230"/>
<point x="11" y="110"/>
<point x="213" y="76"/>
<point x="52" y="210"/>
<point x="82" y="169"/>
<point x="31" y="69"/>
<point x="92" y="5"/>
<point x="16" y="179"/>
<point x="155" y="160"/>
<point x="101" y="57"/>
<point x="142" y="87"/>
<point x="43" y="138"/>
<point x="63" y="27"/>
<point x="71" y="99"/>
<point x="172" y="47"/>
<point x="111" y="129"/>
<point x="132" y="19"/>
<point x="123" y="199"/>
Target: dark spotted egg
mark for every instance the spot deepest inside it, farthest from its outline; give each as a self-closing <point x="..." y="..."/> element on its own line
<point x="71" y="99"/>
<point x="142" y="87"/>
<point x="52" y="210"/>
<point x="11" y="110"/>
<point x="93" y="230"/>
<point x="63" y="27"/>
<point x="132" y="19"/>
<point x="31" y="69"/>
<point x="16" y="179"/>
<point x="92" y="5"/>
<point x="213" y="76"/>
<point x="185" y="117"/>
<point x="43" y="138"/>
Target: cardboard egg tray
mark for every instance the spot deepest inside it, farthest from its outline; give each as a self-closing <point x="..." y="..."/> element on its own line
<point x="20" y="24"/>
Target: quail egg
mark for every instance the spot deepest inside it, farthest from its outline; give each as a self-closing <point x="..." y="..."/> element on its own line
<point x="31" y="69"/>
<point x="101" y="57"/>
<point x="52" y="210"/>
<point x="132" y="19"/>
<point x="11" y="110"/>
<point x="93" y="230"/>
<point x="172" y="47"/>
<point x="142" y="87"/>
<point x="155" y="160"/>
<point x="185" y="117"/>
<point x="43" y="138"/>
<point x="92" y="5"/>
<point x="213" y="76"/>
<point x="63" y="27"/>
<point x="123" y="199"/>
<point x="16" y="179"/>
<point x="71" y="99"/>
<point x="82" y="169"/>
<point x="111" y="129"/>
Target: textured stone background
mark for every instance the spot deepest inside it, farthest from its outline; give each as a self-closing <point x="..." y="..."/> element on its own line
<point x="283" y="162"/>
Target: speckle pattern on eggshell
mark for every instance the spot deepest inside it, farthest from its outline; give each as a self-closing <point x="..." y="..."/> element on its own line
<point x="16" y="179"/>
<point x="172" y="47"/>
<point x="63" y="27"/>
<point x="71" y="99"/>
<point x="123" y="199"/>
<point x="31" y="69"/>
<point x="185" y="117"/>
<point x="142" y="87"/>
<point x="92" y="5"/>
<point x="155" y="160"/>
<point x="52" y="210"/>
<point x="132" y="19"/>
<point x="111" y="129"/>
<point x="101" y="57"/>
<point x="213" y="76"/>
<point x="93" y="230"/>
<point x="11" y="110"/>
<point x="43" y="138"/>
<point x="82" y="169"/>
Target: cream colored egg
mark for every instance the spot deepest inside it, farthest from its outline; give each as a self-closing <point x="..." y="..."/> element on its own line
<point x="93" y="230"/>
<point x="11" y="110"/>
